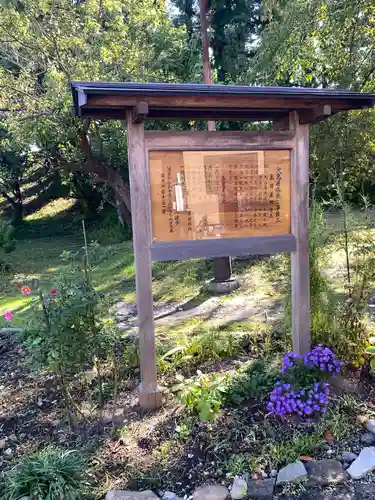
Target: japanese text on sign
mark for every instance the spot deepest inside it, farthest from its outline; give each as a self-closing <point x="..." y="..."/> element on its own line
<point x="219" y="194"/>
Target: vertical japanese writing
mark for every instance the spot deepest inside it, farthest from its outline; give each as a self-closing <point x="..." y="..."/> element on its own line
<point x="163" y="204"/>
<point x="278" y="193"/>
<point x="170" y="199"/>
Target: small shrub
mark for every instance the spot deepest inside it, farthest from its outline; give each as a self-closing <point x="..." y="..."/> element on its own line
<point x="203" y="394"/>
<point x="253" y="381"/>
<point x="51" y="474"/>
<point x="7" y="245"/>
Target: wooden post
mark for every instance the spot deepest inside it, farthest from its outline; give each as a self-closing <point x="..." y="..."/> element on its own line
<point x="150" y="396"/>
<point x="300" y="228"/>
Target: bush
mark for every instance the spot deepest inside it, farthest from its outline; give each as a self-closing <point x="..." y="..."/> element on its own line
<point x="302" y="388"/>
<point x="203" y="394"/>
<point x="7" y="245"/>
<point x="51" y="474"/>
<point x="252" y="381"/>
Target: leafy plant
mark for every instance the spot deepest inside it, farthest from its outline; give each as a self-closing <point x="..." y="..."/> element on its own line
<point x="67" y="333"/>
<point x="302" y="389"/>
<point x="7" y="245"/>
<point x="51" y="474"/>
<point x="252" y="381"/>
<point x="203" y="394"/>
<point x="371" y="351"/>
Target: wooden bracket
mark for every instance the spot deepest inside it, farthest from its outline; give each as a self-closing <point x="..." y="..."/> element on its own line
<point x="315" y="115"/>
<point x="140" y="112"/>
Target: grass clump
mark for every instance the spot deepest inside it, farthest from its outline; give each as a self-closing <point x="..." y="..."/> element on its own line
<point x="51" y="474"/>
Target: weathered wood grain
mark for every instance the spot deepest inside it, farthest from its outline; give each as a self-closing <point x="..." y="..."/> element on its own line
<point x="150" y="396"/>
<point x="300" y="228"/>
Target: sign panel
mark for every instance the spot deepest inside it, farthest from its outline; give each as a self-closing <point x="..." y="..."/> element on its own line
<point x="198" y="195"/>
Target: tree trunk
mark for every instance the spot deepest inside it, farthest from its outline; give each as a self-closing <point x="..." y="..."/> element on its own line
<point x="222" y="266"/>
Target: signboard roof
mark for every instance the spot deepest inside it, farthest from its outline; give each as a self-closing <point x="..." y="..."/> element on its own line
<point x="200" y="101"/>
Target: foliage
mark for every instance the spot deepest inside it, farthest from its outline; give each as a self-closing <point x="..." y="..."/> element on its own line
<point x="40" y="55"/>
<point x="66" y="334"/>
<point x="252" y="381"/>
<point x="7" y="245"/>
<point x="321" y="303"/>
<point x="50" y="474"/>
<point x="203" y="394"/>
<point x="371" y="352"/>
<point x="302" y="390"/>
<point x="203" y="345"/>
<point x="315" y="43"/>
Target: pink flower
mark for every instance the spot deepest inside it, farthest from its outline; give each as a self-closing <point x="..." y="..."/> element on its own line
<point x="53" y="292"/>
<point x="8" y="316"/>
<point x="25" y="290"/>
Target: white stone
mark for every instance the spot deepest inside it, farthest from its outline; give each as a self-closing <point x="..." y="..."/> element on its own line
<point x="364" y="464"/>
<point x="3" y="443"/>
<point x="294" y="472"/>
<point x="213" y="492"/>
<point x="131" y="495"/>
<point x="274" y="473"/>
<point x="8" y="452"/>
<point x="169" y="495"/>
<point x="370" y="426"/>
<point x="239" y="488"/>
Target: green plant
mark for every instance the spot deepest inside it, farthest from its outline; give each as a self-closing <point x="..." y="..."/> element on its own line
<point x="67" y="333"/>
<point x="254" y="380"/>
<point x="203" y="345"/>
<point x="183" y="430"/>
<point x="7" y="245"/>
<point x="371" y="352"/>
<point x="51" y="474"/>
<point x="203" y="394"/>
<point x="237" y="464"/>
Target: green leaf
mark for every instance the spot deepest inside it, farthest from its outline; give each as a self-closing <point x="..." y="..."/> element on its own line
<point x="370" y="350"/>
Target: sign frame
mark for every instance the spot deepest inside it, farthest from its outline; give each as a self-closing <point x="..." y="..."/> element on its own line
<point x="223" y="141"/>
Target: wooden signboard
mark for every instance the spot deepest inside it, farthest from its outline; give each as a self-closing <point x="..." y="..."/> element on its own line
<point x="201" y="195"/>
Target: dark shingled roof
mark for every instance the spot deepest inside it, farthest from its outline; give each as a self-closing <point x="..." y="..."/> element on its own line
<point x="200" y="101"/>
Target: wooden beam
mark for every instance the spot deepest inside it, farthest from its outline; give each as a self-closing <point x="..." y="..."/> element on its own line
<point x="150" y="396"/>
<point x="158" y="140"/>
<point x="212" y="101"/>
<point x="254" y="245"/>
<point x="140" y="112"/>
<point x="315" y="115"/>
<point x="300" y="228"/>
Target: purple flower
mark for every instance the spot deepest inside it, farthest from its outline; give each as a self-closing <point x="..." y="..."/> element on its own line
<point x="324" y="359"/>
<point x="289" y="361"/>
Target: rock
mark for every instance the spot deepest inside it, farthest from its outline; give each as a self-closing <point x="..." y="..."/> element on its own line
<point x="261" y="489"/>
<point x="291" y="473"/>
<point x="273" y="473"/>
<point x="345" y="465"/>
<point x="370" y="426"/>
<point x="213" y="492"/>
<point x="361" y="419"/>
<point x="131" y="495"/>
<point x="3" y="443"/>
<point x="169" y="495"/>
<point x="239" y="488"/>
<point x="364" y="464"/>
<point x="348" y="456"/>
<point x="8" y="452"/>
<point x="264" y="475"/>
<point x="325" y="473"/>
<point x="368" y="438"/>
